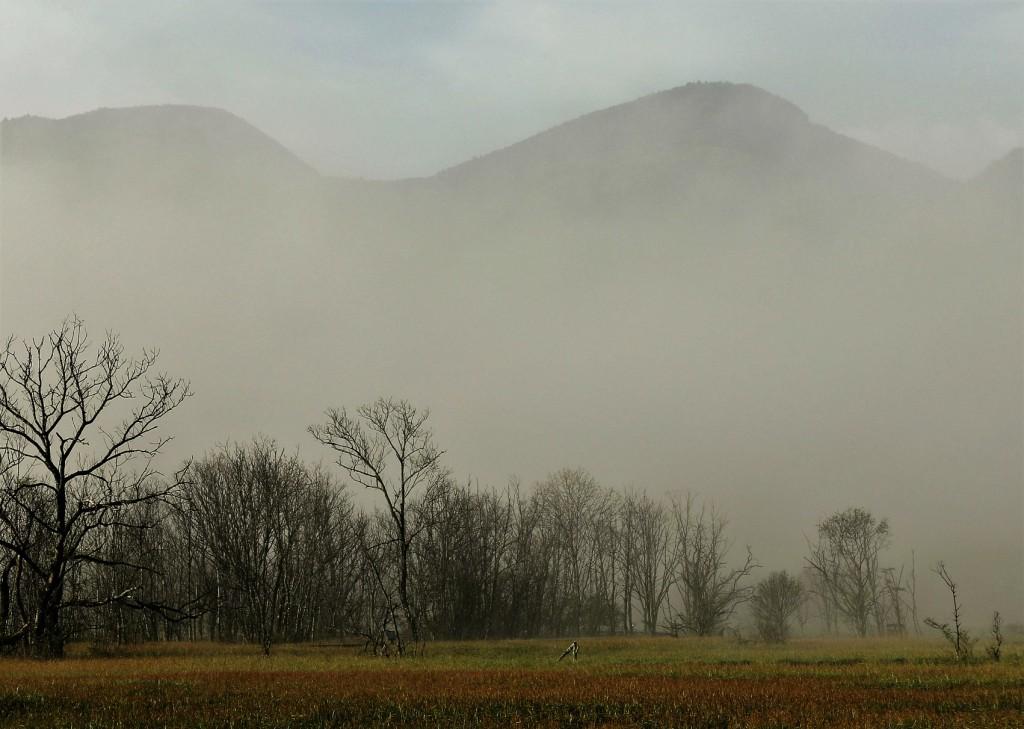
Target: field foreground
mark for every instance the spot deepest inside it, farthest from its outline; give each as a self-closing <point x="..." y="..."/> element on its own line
<point x="616" y="683"/>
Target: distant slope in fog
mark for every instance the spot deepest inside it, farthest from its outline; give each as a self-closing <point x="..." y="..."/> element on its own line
<point x="710" y="153"/>
<point x="1003" y="179"/>
<point x="698" y="289"/>
<point x="161" y="141"/>
<point x="669" y="137"/>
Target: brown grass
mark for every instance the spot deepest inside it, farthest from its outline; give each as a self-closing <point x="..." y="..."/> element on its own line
<point x="618" y="682"/>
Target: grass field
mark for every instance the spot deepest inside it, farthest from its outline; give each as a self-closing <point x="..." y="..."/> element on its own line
<point x="616" y="683"/>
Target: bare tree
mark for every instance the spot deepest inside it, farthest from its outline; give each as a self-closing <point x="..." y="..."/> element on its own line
<point x="892" y="603"/>
<point x="845" y="560"/>
<point x="576" y="511"/>
<point x="118" y="623"/>
<point x="536" y="600"/>
<point x="823" y="594"/>
<point x="77" y="443"/>
<point x="709" y="589"/>
<point x="803" y="611"/>
<point x="912" y="591"/>
<point x="776" y="599"/>
<point x="382" y="628"/>
<point x="320" y="581"/>
<point x="994" y="649"/>
<point x="603" y="601"/>
<point x="265" y="522"/>
<point x="387" y="447"/>
<point x="627" y="557"/>
<point x="651" y="567"/>
<point x="956" y="635"/>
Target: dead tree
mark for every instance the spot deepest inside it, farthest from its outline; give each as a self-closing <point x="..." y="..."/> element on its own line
<point x="651" y="548"/>
<point x="575" y="511"/>
<point x="956" y="635"/>
<point x="994" y="649"/>
<point x="845" y="561"/>
<point x="912" y="590"/>
<point x="78" y="437"/>
<point x="803" y="611"/>
<point x="820" y="589"/>
<point x="384" y="630"/>
<point x="776" y="599"/>
<point x="709" y="589"/>
<point x="893" y="605"/>
<point x="387" y="447"/>
<point x="264" y="521"/>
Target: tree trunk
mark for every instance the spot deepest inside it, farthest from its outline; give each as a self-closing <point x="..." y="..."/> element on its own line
<point x="403" y="588"/>
<point x="48" y="635"/>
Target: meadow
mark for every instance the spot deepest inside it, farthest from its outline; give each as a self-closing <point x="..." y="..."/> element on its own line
<point x="617" y="682"/>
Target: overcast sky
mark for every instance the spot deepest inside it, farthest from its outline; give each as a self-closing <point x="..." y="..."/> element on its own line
<point x="393" y="90"/>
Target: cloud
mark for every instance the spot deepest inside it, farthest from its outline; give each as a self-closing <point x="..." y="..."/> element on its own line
<point x="41" y="43"/>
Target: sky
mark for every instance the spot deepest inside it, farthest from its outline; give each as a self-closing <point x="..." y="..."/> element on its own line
<point x="389" y="90"/>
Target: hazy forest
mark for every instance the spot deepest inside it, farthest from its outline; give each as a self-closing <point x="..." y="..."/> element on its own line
<point x="250" y="543"/>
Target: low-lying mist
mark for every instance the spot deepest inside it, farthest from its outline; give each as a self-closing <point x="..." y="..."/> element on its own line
<point x="701" y="291"/>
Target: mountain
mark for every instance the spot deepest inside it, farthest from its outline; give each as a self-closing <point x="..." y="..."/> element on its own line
<point x="1006" y="171"/>
<point x="705" y="162"/>
<point x="1003" y="180"/>
<point x="162" y="146"/>
<point x="672" y="138"/>
<point x="698" y="289"/>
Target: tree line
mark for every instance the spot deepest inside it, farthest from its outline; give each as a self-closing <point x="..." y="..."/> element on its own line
<point x="250" y="543"/>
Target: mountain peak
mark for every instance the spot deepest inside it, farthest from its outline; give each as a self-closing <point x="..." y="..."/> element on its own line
<point x="652" y="131"/>
<point x="717" y="97"/>
<point x="154" y="137"/>
<point x="681" y="144"/>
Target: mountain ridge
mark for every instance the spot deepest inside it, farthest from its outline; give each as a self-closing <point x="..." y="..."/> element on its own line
<point x="196" y="134"/>
<point x="693" y="100"/>
<point x="775" y="110"/>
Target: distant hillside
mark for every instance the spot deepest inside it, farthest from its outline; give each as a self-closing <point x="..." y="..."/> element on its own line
<point x="1004" y="178"/>
<point x="149" y="144"/>
<point x="685" y="145"/>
